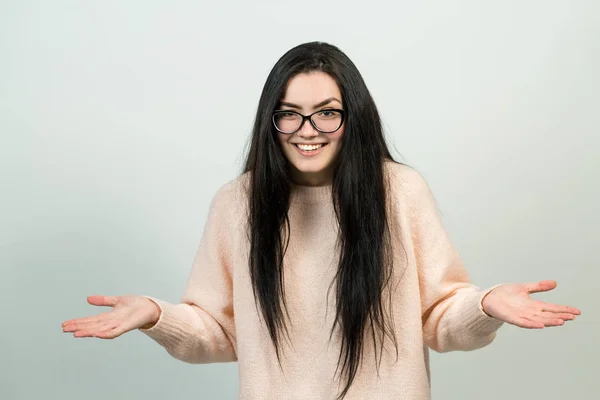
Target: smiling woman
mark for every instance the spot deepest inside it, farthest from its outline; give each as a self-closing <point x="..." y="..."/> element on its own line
<point x="322" y="205"/>
<point x="310" y="153"/>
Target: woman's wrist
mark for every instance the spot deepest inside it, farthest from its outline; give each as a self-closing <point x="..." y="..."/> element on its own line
<point x="155" y="315"/>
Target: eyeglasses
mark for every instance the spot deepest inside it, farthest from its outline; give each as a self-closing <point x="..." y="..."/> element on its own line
<point x="324" y="121"/>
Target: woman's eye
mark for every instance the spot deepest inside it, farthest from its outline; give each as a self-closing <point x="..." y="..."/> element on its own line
<point x="327" y="113"/>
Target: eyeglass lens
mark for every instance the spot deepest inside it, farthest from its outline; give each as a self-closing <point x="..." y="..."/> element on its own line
<point x="325" y="121"/>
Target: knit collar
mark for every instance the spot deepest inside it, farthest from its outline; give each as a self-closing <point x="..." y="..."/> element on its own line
<point x="310" y="194"/>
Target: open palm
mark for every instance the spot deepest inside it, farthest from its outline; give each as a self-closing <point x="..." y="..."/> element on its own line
<point x="128" y="313"/>
<point x="512" y="303"/>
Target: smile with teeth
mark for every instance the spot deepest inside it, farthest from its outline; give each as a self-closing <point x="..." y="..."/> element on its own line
<point x="309" y="147"/>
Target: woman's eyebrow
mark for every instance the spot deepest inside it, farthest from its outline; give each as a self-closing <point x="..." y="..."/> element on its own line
<point x="321" y="104"/>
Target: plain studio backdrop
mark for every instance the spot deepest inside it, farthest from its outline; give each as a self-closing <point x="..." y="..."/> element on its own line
<point x="120" y="120"/>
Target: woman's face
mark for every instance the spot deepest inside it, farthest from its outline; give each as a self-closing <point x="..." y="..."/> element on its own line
<point x="307" y="93"/>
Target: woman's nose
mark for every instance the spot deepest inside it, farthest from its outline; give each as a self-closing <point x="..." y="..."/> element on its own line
<point x="307" y="130"/>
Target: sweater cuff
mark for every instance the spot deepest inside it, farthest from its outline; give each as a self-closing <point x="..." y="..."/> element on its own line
<point x="476" y="319"/>
<point x="169" y="328"/>
<point x="485" y="293"/>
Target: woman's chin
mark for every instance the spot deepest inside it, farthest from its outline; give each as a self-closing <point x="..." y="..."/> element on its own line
<point x="307" y="169"/>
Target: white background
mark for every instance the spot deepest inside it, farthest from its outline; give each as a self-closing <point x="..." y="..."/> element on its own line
<point x="120" y="119"/>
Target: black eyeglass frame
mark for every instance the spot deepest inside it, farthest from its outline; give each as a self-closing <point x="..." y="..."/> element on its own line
<point x="309" y="118"/>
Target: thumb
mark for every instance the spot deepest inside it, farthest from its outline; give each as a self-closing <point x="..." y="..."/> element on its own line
<point x="109" y="301"/>
<point x="541" y="286"/>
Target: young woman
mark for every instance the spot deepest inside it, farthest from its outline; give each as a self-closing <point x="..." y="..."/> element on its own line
<point x="324" y="268"/>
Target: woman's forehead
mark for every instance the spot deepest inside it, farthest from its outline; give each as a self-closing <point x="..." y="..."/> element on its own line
<point x="310" y="89"/>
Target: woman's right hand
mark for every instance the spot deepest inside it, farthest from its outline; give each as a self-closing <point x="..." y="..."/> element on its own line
<point x="128" y="313"/>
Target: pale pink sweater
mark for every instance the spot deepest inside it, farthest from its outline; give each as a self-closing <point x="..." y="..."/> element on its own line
<point x="435" y="305"/>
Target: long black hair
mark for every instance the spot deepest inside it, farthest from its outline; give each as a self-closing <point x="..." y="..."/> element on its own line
<point x="359" y="197"/>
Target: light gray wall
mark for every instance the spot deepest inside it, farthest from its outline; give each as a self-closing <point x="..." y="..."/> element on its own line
<point x="119" y="120"/>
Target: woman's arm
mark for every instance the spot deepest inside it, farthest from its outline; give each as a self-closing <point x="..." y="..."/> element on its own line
<point x="201" y="328"/>
<point x="453" y="317"/>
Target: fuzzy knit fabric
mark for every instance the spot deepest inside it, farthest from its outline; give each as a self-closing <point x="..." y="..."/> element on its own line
<point x="435" y="306"/>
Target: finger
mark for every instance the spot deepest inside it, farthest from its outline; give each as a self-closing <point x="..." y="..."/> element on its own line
<point x="552" y="315"/>
<point x="90" y="327"/>
<point x="109" y="301"/>
<point x="79" y="323"/>
<point x="70" y="328"/>
<point x="552" y="321"/>
<point x="527" y="323"/>
<point x="96" y="301"/>
<point x="557" y="308"/>
<point x="82" y="334"/>
<point x="110" y="333"/>
<point x="541" y="286"/>
<point x="85" y="320"/>
<point x="91" y="330"/>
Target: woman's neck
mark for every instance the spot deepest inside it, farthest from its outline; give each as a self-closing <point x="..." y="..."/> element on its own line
<point x="321" y="178"/>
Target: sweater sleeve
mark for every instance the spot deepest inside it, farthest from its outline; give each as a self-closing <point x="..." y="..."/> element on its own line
<point x="201" y="328"/>
<point x="452" y="312"/>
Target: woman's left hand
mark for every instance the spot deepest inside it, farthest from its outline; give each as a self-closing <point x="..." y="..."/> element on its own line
<point x="511" y="303"/>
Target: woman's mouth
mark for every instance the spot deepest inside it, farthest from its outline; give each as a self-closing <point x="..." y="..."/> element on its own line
<point x="309" y="150"/>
